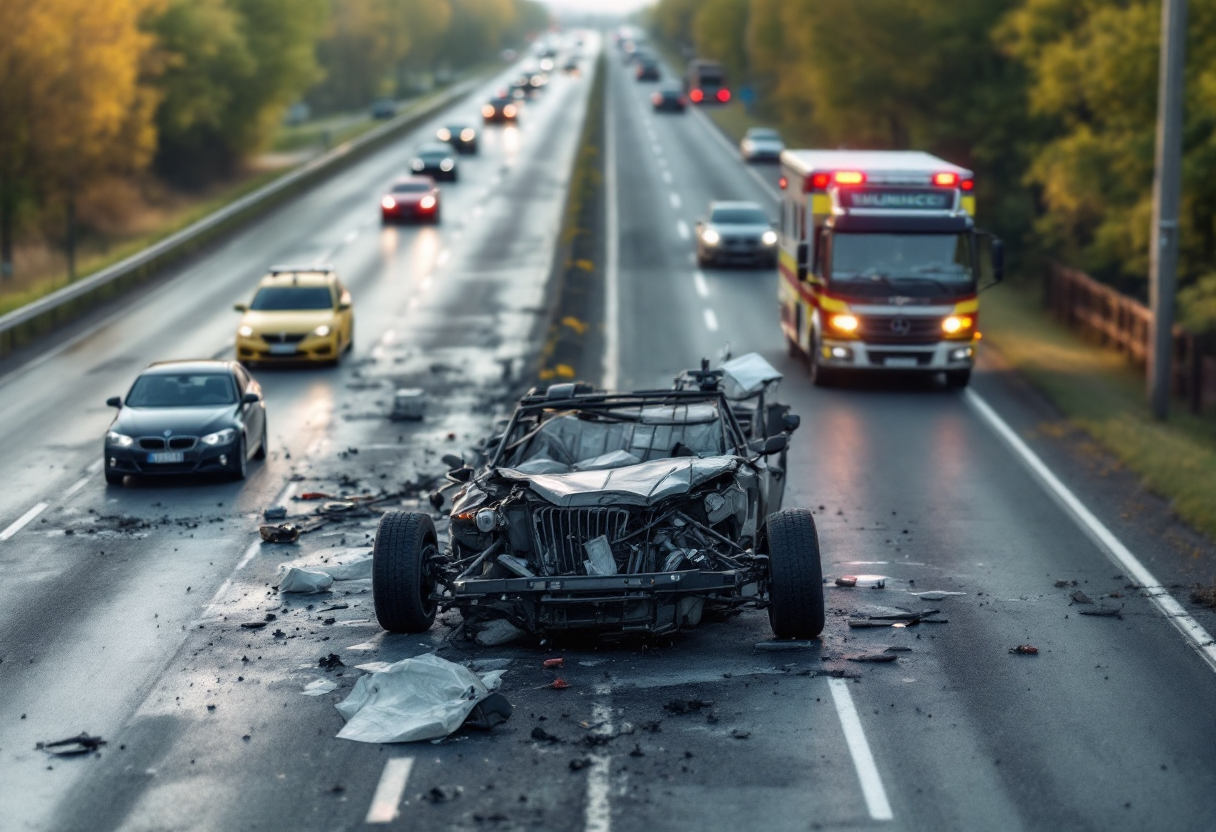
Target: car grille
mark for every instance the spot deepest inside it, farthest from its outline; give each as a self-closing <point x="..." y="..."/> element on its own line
<point x="900" y="329"/>
<point x="176" y="443"/>
<point x="740" y="244"/>
<point x="283" y="337"/>
<point x="561" y="532"/>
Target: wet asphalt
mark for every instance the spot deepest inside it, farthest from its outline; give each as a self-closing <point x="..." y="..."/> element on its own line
<point x="120" y="608"/>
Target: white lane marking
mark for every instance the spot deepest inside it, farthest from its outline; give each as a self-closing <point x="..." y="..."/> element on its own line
<point x="1099" y="533"/>
<point x="658" y="151"/>
<point x="711" y="320"/>
<point x="698" y="280"/>
<point x="213" y="609"/>
<point x="22" y="521"/>
<point x="667" y="176"/>
<point x="351" y="237"/>
<point x="442" y="259"/>
<point x="734" y="153"/>
<point x="682" y="229"/>
<point x="288" y="491"/>
<point x="95" y="466"/>
<point x="675" y="200"/>
<point x="612" y="300"/>
<point x="386" y="801"/>
<point x="76" y="486"/>
<point x="597" y="815"/>
<point x="859" y="749"/>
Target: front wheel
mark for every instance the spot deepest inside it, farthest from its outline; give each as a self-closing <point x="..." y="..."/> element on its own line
<point x="114" y="477"/>
<point x="401" y="583"/>
<point x="262" y="445"/>
<point x="958" y="379"/>
<point x="820" y="376"/>
<point x="240" y="465"/>
<point x="795" y="575"/>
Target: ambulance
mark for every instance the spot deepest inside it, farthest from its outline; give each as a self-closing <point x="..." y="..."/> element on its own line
<point x="879" y="263"/>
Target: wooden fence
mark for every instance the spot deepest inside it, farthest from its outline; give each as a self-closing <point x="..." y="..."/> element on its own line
<point x="1124" y="324"/>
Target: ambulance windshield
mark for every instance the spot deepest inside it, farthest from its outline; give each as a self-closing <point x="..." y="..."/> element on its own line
<point x="902" y="264"/>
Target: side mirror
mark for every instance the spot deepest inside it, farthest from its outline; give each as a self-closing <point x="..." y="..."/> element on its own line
<point x="791" y="421"/>
<point x="998" y="260"/>
<point x="461" y="474"/>
<point x="772" y="445"/>
<point x="250" y="398"/>
<point x="452" y="461"/>
<point x="114" y="401"/>
<point x="342" y="307"/>
<point x="240" y="307"/>
<point x="803" y="252"/>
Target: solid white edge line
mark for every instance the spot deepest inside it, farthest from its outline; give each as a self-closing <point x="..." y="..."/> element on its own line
<point x="1098" y="532"/>
<point x="711" y="320"/>
<point x="597" y="814"/>
<point x="612" y="301"/>
<point x="213" y="609"/>
<point x="855" y="737"/>
<point x="22" y="521"/>
<point x="386" y="802"/>
<point x="698" y="280"/>
<point x="682" y="229"/>
<point x="76" y="486"/>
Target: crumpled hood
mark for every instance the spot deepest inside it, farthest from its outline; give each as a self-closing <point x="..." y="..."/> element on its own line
<point x="636" y="485"/>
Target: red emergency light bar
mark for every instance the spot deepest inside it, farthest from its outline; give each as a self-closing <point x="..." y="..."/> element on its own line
<point x="946" y="180"/>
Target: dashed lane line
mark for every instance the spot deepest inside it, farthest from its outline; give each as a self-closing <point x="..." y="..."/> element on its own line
<point x="386" y="802"/>
<point x="95" y="466"/>
<point x="682" y="229"/>
<point x="698" y="280"/>
<point x="675" y="200"/>
<point x="1103" y="537"/>
<point x="711" y="320"/>
<point x="76" y="486"/>
<point x="597" y="813"/>
<point x="23" y="521"/>
<point x="855" y="737"/>
<point x="667" y="177"/>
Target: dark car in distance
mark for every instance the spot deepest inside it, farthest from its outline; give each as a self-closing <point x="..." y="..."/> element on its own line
<point x="187" y="417"/>
<point x="646" y="69"/>
<point x="435" y="161"/>
<point x="411" y="198"/>
<point x="668" y="99"/>
<point x="462" y="137"/>
<point x="500" y="109"/>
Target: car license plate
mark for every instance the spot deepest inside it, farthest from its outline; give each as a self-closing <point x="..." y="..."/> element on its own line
<point x="282" y="349"/>
<point x="900" y="362"/>
<point x="167" y="456"/>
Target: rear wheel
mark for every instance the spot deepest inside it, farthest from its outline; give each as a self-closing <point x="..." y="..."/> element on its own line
<point x="820" y="376"/>
<point x="958" y="379"/>
<point x="795" y="575"/>
<point x="401" y="584"/>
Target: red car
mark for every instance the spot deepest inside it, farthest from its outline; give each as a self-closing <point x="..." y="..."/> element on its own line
<point x="411" y="199"/>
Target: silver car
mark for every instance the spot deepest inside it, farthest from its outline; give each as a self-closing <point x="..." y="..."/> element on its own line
<point x="761" y="144"/>
<point x="736" y="232"/>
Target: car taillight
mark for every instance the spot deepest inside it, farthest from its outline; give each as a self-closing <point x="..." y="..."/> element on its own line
<point x="967" y="184"/>
<point x="820" y="181"/>
<point x="696" y="96"/>
<point x="783" y="183"/>
<point x="389" y="203"/>
<point x="724" y="96"/>
<point x="948" y="179"/>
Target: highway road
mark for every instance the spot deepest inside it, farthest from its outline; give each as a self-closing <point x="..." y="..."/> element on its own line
<point x="120" y="608"/>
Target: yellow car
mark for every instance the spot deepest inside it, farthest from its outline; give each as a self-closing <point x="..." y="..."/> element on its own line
<point x="299" y="314"/>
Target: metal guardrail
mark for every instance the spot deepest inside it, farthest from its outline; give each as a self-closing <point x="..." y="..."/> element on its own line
<point x="27" y="323"/>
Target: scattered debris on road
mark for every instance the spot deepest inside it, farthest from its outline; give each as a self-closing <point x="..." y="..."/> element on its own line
<point x="863" y="581"/>
<point x="935" y="594"/>
<point x="497" y="631"/>
<point x="443" y="794"/>
<point x="422" y="698"/>
<point x="1025" y="650"/>
<point x="409" y="404"/>
<point x="559" y="684"/>
<point x="305" y="581"/>
<point x="541" y="735"/>
<point x="275" y="513"/>
<point x="552" y="663"/>
<point x="280" y="533"/>
<point x="873" y="658"/>
<point x="1080" y="597"/>
<point x="1105" y="612"/>
<point x="253" y="625"/>
<point x="82" y="743"/>
<point x="319" y="687"/>
<point x="687" y="706"/>
<point x="491" y="711"/>
<point x="785" y="644"/>
<point x="330" y="662"/>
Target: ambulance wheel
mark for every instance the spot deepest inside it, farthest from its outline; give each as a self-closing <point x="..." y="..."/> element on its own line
<point x="958" y="379"/>
<point x="820" y="376"/>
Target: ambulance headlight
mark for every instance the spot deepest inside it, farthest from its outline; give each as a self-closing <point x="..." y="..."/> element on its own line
<point x="769" y="238"/>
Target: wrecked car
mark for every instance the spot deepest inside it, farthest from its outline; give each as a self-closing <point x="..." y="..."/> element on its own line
<point x="617" y="513"/>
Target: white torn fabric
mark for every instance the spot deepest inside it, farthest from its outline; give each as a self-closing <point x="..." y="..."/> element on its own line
<point x="423" y="698"/>
<point x="748" y="374"/>
<point x="352" y="570"/>
<point x="304" y="580"/>
<point x="496" y="632"/>
<point x="319" y="687"/>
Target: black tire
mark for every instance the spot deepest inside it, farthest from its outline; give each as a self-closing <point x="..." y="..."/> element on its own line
<point x="114" y="477"/>
<point x="958" y="379"/>
<point x="820" y="376"/>
<point x="400" y="586"/>
<point x="240" y="465"/>
<point x="262" y="449"/>
<point x="795" y="575"/>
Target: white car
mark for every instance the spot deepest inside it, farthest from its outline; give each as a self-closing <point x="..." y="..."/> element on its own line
<point x="761" y="144"/>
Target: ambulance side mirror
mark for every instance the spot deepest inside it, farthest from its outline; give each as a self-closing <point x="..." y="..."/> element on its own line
<point x="803" y="251"/>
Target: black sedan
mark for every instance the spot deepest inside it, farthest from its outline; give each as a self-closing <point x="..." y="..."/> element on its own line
<point x="669" y="99"/>
<point x="435" y="161"/>
<point x="187" y="417"/>
<point x="500" y="109"/>
<point x="462" y="137"/>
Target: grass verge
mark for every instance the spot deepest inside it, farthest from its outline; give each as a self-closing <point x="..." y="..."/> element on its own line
<point x="1104" y="395"/>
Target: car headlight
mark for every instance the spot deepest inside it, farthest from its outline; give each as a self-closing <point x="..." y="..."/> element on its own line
<point x="321" y="331"/>
<point x="769" y="238"/>
<point x="444" y="134"/>
<point x="486" y="519"/>
<point x="388" y="203"/>
<point x="710" y="237"/>
<point x="427" y="202"/>
<point x="245" y="331"/>
<point x="446" y="165"/>
<point x="220" y="437"/>
<point x="119" y="440"/>
<point x="417" y="164"/>
<point x="467" y="134"/>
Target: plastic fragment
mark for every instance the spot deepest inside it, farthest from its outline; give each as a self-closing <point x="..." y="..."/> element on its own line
<point x="275" y="513"/>
<point x="1080" y="597"/>
<point x="550" y="663"/>
<point x="874" y="658"/>
<point x="305" y="581"/>
<point x="846" y="580"/>
<point x="935" y="594"/>
<point x="491" y="711"/>
<point x="1025" y="650"/>
<point x="281" y="533"/>
<point x="82" y="743"/>
<point x="253" y="625"/>
<point x="785" y="644"/>
<point x="1105" y="612"/>
<point x="319" y="687"/>
<point x="559" y="684"/>
<point x="497" y="631"/>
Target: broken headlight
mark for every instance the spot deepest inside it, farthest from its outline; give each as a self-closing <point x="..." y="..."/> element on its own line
<point x="487" y="519"/>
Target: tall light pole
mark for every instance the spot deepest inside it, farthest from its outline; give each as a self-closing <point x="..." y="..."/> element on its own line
<point x="1167" y="188"/>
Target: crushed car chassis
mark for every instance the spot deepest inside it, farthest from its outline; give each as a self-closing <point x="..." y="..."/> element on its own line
<point x="617" y="513"/>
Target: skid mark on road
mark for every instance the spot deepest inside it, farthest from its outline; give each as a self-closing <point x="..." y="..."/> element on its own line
<point x="386" y="802"/>
<point x="1099" y="533"/>
<point x="855" y="736"/>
